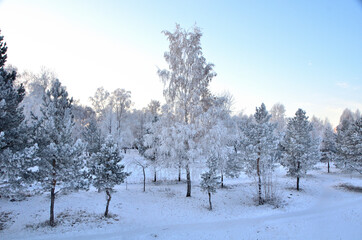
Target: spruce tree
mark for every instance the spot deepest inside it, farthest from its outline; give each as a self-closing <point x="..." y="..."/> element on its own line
<point x="300" y="150"/>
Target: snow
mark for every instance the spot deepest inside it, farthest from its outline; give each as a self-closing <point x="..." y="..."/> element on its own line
<point x="321" y="210"/>
<point x="34" y="169"/>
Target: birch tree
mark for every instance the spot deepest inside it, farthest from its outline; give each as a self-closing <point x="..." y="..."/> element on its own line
<point x="186" y="84"/>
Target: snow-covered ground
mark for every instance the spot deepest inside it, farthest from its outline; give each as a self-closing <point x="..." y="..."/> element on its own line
<point x="319" y="211"/>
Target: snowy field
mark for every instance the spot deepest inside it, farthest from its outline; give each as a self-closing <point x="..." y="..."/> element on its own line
<point x="321" y="210"/>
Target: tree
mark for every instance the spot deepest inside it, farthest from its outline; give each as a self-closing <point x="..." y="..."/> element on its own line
<point x="100" y="101"/>
<point x="210" y="180"/>
<point x="278" y="116"/>
<point x="11" y="113"/>
<point x="15" y="148"/>
<point x="150" y="139"/>
<point x="258" y="151"/>
<point x="328" y="145"/>
<point x="83" y="116"/>
<point x="108" y="170"/>
<point x="62" y="159"/>
<point x="300" y="150"/>
<point x="217" y="135"/>
<point x="349" y="145"/>
<point x="36" y="86"/>
<point x="92" y="136"/>
<point x="122" y="102"/>
<point x="186" y="85"/>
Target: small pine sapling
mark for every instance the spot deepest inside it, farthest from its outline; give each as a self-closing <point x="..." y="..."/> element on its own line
<point x="210" y="180"/>
<point x="108" y="170"/>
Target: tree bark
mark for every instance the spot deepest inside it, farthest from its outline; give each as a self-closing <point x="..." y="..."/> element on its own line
<point x="298" y="167"/>
<point x="259" y="180"/>
<point x="298" y="183"/>
<point x="52" y="195"/>
<point x="188" y="194"/>
<point x="328" y="165"/>
<point x="108" y="200"/>
<point x="179" y="173"/>
<point x="210" y="204"/>
<point x="52" y="200"/>
<point x="144" y="179"/>
<point x="222" y="179"/>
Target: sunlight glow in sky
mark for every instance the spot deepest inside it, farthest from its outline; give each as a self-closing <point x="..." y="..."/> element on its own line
<point x="303" y="54"/>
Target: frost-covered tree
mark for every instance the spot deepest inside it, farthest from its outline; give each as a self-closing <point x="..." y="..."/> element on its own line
<point x="349" y="145"/>
<point x="36" y="85"/>
<point x="186" y="87"/>
<point x="18" y="171"/>
<point x="258" y="151"/>
<point x="210" y="180"/>
<point x="92" y="136"/>
<point x="15" y="149"/>
<point x="217" y="135"/>
<point x="318" y="129"/>
<point x="300" y="150"/>
<point x="122" y="102"/>
<point x="170" y="154"/>
<point x="11" y="112"/>
<point x="62" y="160"/>
<point x="150" y="139"/>
<point x="278" y="116"/>
<point x="100" y="101"/>
<point x="112" y="111"/>
<point x="328" y="145"/>
<point x="83" y="115"/>
<point x="108" y="169"/>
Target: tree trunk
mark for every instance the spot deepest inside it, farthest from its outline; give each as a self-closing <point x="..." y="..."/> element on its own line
<point x="210" y="208"/>
<point x="188" y="194"/>
<point x="144" y="179"/>
<point x="259" y="180"/>
<point x="52" y="200"/>
<point x="179" y="173"/>
<point x="298" y="183"/>
<point x="328" y="165"/>
<point x="155" y="176"/>
<point x="108" y="200"/>
<point x="298" y="167"/>
<point x="52" y="196"/>
<point x="222" y="179"/>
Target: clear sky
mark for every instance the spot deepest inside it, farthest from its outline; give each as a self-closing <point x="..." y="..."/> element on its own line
<point x="303" y="54"/>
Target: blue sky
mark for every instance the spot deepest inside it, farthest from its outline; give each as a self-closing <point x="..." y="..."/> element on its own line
<point x="304" y="54"/>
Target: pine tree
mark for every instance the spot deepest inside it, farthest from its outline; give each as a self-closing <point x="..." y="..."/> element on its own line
<point x="259" y="148"/>
<point x="108" y="170"/>
<point x="11" y="113"/>
<point x="349" y="145"/>
<point x="328" y="145"/>
<point x="300" y="150"/>
<point x="62" y="160"/>
<point x="210" y="180"/>
<point x="15" y="150"/>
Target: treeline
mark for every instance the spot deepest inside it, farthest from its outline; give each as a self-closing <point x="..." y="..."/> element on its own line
<point x="52" y="143"/>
